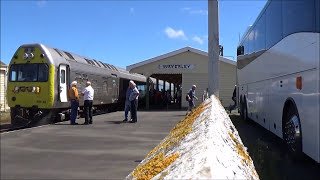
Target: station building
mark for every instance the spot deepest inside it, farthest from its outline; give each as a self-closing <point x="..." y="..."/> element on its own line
<point x="3" y="87"/>
<point x="184" y="67"/>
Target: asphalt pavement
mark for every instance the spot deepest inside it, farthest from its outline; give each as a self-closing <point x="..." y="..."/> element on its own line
<point x="107" y="149"/>
<point x="270" y="154"/>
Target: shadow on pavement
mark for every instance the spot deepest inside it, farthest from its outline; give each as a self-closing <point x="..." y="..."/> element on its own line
<point x="270" y="154"/>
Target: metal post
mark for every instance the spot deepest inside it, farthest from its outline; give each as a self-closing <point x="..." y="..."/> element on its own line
<point x="147" y="93"/>
<point x="157" y="84"/>
<point x="213" y="47"/>
<point x="164" y="85"/>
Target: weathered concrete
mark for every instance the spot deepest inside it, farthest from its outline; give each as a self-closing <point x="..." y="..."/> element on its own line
<point x="108" y="149"/>
<point x="204" y="145"/>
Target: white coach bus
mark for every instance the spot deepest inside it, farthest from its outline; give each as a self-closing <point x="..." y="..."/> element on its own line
<point x="278" y="61"/>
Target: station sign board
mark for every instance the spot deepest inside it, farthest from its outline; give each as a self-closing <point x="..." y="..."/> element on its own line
<point x="176" y="66"/>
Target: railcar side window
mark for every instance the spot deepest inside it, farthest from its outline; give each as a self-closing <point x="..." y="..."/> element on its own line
<point x="13" y="73"/>
<point x="63" y="76"/>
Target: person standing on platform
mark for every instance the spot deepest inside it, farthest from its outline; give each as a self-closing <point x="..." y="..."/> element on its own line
<point x="88" y="93"/>
<point x="133" y="98"/>
<point x="205" y="95"/>
<point x="190" y="98"/>
<point x="127" y="103"/>
<point x="73" y="97"/>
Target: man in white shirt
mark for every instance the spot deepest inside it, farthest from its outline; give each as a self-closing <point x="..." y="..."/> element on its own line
<point x="88" y="94"/>
<point x="133" y="98"/>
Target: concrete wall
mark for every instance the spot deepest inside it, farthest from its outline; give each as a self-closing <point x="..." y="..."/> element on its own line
<point x="203" y="145"/>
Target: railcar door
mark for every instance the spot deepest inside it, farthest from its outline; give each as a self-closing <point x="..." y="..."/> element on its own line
<point x="63" y="83"/>
<point x="114" y="84"/>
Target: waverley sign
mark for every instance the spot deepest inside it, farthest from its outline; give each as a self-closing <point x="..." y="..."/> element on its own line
<point x="176" y="66"/>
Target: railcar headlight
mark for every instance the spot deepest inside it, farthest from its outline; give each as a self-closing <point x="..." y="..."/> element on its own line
<point x="16" y="89"/>
<point x="28" y="56"/>
<point x="37" y="89"/>
<point x="34" y="89"/>
<point x="25" y="56"/>
<point x="29" y="89"/>
<point x="23" y="89"/>
<point x="31" y="56"/>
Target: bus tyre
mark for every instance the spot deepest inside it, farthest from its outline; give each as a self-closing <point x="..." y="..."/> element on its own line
<point x="292" y="132"/>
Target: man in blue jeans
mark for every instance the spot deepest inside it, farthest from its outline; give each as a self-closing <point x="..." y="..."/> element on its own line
<point x="190" y="98"/>
<point x="133" y="98"/>
<point x="88" y="93"/>
<point x="73" y="96"/>
<point x="127" y="104"/>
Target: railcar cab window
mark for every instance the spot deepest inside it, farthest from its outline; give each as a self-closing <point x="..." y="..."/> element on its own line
<point x="29" y="72"/>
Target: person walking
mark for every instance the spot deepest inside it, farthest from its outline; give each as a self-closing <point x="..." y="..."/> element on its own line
<point x="205" y="94"/>
<point x="88" y="93"/>
<point x="127" y="103"/>
<point x="133" y="98"/>
<point x="73" y="97"/>
<point x="190" y="98"/>
<point x="234" y="99"/>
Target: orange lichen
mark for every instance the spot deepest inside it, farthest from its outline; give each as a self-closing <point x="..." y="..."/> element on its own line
<point x="180" y="130"/>
<point x="154" y="166"/>
<point x="158" y="163"/>
<point x="240" y="149"/>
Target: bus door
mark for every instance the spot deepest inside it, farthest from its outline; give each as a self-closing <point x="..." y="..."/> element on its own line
<point x="63" y="83"/>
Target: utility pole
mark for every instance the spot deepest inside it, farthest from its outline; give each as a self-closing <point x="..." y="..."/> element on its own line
<point x="213" y="47"/>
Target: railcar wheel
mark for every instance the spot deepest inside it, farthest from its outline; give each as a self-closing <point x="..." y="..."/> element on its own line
<point x="15" y="118"/>
<point x="292" y="131"/>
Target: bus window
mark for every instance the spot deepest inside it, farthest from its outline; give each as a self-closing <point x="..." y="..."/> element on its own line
<point x="298" y="16"/>
<point x="260" y="34"/>
<point x="273" y="23"/>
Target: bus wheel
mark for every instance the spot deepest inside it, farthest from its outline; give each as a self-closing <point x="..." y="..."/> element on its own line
<point x="292" y="131"/>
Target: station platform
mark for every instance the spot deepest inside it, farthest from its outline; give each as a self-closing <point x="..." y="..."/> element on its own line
<point x="107" y="149"/>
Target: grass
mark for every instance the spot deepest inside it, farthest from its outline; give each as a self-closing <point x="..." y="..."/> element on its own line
<point x="5" y="118"/>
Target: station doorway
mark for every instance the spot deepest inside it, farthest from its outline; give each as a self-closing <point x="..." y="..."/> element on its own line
<point x="165" y="92"/>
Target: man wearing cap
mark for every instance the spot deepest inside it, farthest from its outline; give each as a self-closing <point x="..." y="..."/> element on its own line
<point x="73" y="97"/>
<point x="190" y="97"/>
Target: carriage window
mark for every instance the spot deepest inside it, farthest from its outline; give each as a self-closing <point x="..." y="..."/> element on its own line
<point x="63" y="77"/>
<point x="105" y="87"/>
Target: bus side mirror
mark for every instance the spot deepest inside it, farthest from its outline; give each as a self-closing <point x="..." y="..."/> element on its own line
<point x="220" y="50"/>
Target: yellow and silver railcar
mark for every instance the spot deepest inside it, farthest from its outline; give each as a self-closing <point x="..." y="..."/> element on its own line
<point x="40" y="76"/>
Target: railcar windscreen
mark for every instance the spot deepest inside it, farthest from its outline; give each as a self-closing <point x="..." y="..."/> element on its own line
<point x="29" y="72"/>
